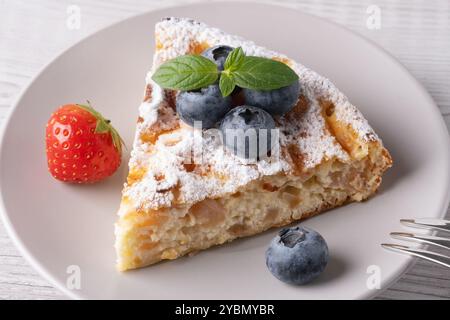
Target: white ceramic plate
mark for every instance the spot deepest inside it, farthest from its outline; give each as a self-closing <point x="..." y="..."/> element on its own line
<point x="58" y="225"/>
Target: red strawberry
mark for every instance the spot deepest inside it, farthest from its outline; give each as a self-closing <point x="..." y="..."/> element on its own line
<point x="82" y="146"/>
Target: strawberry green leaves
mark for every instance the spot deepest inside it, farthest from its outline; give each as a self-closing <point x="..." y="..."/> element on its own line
<point x="104" y="126"/>
<point x="192" y="72"/>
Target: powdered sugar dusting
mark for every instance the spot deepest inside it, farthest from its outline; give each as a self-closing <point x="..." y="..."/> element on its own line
<point x="170" y="179"/>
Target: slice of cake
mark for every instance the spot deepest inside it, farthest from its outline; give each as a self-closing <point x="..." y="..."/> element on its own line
<point x="171" y="205"/>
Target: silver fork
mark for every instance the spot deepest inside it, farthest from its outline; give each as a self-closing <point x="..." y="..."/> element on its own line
<point x="423" y="223"/>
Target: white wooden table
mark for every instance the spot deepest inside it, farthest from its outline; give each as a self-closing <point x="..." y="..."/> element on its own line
<point x="416" y="32"/>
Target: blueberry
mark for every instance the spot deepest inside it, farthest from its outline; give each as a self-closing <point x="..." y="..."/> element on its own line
<point x="242" y="132"/>
<point x="276" y="102"/>
<point x="297" y="255"/>
<point x="206" y="105"/>
<point x="218" y="54"/>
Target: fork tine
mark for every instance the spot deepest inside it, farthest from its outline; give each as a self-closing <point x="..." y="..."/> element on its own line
<point x="424" y="254"/>
<point x="433" y="240"/>
<point x="427" y="223"/>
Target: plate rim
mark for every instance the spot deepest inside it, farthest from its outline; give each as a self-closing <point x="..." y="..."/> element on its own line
<point x="34" y="262"/>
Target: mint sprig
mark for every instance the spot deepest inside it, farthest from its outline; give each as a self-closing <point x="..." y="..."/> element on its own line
<point x="192" y="72"/>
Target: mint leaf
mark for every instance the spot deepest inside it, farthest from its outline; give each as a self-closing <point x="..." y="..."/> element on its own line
<point x="188" y="72"/>
<point x="263" y="74"/>
<point x="226" y="84"/>
<point x="234" y="60"/>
